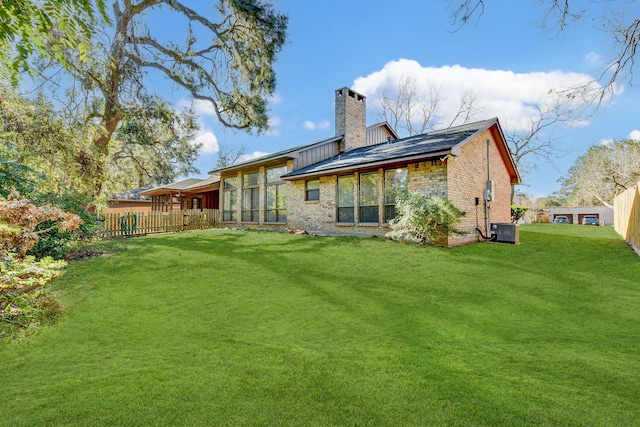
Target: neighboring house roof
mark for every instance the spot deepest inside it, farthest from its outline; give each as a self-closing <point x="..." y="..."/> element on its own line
<point x="185" y="185"/>
<point x="136" y="194"/>
<point x="424" y="146"/>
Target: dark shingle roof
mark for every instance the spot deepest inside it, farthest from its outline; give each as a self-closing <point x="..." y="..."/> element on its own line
<point x="292" y="150"/>
<point x="279" y="154"/>
<point x="437" y="143"/>
<point x="133" y="194"/>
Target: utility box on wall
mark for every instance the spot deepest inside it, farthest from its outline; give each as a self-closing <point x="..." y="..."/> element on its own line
<point x="502" y="232"/>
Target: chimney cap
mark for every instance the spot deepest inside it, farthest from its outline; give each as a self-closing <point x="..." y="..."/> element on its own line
<point x="345" y="91"/>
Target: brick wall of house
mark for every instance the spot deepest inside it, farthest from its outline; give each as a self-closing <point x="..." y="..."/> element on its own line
<point x="313" y="216"/>
<point x="466" y="180"/>
<point x="429" y="178"/>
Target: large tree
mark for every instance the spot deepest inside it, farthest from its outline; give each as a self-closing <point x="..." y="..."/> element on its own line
<point x="624" y="29"/>
<point x="222" y="52"/>
<point x="154" y="144"/>
<point x="41" y="140"/>
<point x="603" y="172"/>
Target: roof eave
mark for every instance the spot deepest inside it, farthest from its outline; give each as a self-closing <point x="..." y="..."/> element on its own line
<point x="289" y="154"/>
<point x="337" y="170"/>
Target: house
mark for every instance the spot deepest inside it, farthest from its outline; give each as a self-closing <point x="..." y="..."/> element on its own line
<point x="575" y="214"/>
<point x="347" y="183"/>
<point x="129" y="201"/>
<point x="190" y="193"/>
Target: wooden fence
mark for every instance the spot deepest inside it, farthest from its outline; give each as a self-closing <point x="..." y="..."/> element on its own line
<point x="626" y="208"/>
<point x="141" y="223"/>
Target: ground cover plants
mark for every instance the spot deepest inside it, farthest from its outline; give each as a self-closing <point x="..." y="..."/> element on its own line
<point x="230" y="327"/>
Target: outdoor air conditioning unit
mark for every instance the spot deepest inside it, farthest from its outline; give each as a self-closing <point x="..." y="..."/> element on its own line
<point x="505" y="233"/>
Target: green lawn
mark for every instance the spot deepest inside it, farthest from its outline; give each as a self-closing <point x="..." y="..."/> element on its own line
<point x="227" y="327"/>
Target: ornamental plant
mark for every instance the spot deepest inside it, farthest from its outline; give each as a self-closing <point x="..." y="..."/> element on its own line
<point x="23" y="297"/>
<point x="424" y="219"/>
<point x="20" y="218"/>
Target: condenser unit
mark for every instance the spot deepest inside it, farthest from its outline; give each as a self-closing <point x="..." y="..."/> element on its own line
<point x="503" y="232"/>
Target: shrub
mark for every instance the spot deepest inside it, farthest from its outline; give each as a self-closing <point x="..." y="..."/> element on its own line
<point x="24" y="301"/>
<point x="517" y="212"/>
<point x="21" y="219"/>
<point x="53" y="241"/>
<point x="424" y="219"/>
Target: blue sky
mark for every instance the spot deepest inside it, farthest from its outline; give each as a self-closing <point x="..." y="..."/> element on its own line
<point x="505" y="58"/>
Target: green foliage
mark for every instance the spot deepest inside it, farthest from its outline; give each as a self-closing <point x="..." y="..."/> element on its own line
<point x="603" y="172"/>
<point x="424" y="219"/>
<point x="557" y="198"/>
<point x="14" y="176"/>
<point x="114" y="124"/>
<point x="24" y="301"/>
<point x="52" y="241"/>
<point x="40" y="138"/>
<point x="517" y="212"/>
<point x="30" y="28"/>
<point x="154" y="144"/>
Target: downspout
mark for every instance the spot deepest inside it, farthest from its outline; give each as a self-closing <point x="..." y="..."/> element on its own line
<point x="487" y="196"/>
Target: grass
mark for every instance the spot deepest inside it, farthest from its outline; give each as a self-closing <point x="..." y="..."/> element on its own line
<point x="227" y="327"/>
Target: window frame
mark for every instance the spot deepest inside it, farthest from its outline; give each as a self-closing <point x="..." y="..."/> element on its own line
<point x="340" y="207"/>
<point x="365" y="210"/>
<point x="387" y="191"/>
<point x="250" y="213"/>
<point x="230" y="199"/>
<point x="279" y="186"/>
<point x="308" y="191"/>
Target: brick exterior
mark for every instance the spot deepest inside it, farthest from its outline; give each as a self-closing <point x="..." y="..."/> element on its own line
<point x="351" y="117"/>
<point x="467" y="177"/>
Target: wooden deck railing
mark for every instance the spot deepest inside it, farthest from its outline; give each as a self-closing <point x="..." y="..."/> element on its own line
<point x="141" y="223"/>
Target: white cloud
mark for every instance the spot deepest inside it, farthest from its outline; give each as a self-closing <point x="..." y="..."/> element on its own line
<point x="208" y="140"/>
<point x="206" y="136"/>
<point x="251" y="156"/>
<point x="504" y="94"/>
<point x="315" y="126"/>
<point x="635" y="135"/>
<point x="204" y="108"/>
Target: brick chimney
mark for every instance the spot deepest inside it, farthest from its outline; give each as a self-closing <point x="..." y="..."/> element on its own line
<point x="351" y="118"/>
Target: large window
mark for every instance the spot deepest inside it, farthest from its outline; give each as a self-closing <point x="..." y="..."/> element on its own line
<point x="346" y="202"/>
<point x="230" y="197"/>
<point x="250" y="197"/>
<point x="276" y="202"/>
<point x="312" y="192"/>
<point x="395" y="183"/>
<point x="369" y="197"/>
